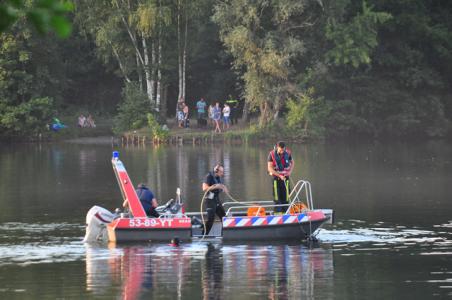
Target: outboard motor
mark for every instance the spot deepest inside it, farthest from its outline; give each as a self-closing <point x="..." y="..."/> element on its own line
<point x="96" y="222"/>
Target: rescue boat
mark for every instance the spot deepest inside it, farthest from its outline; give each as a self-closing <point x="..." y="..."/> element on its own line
<point x="244" y="221"/>
<point x="134" y="225"/>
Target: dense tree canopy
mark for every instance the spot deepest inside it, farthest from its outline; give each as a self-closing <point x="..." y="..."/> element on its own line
<point x="332" y="67"/>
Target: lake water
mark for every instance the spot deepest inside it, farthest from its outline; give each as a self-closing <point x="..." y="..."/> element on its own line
<point x="392" y="238"/>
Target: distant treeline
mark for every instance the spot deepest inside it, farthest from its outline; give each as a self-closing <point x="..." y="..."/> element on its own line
<point x="375" y="68"/>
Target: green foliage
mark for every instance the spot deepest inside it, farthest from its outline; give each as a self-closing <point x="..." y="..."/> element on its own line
<point x="307" y="113"/>
<point x="379" y="68"/>
<point x="354" y="41"/>
<point x="45" y="15"/>
<point x="259" y="37"/>
<point x="26" y="119"/>
<point x="298" y="115"/>
<point x="132" y="111"/>
<point x="418" y="116"/>
<point x="156" y="129"/>
<point x="345" y="120"/>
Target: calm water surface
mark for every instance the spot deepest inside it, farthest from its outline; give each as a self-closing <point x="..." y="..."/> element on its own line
<point x="392" y="237"/>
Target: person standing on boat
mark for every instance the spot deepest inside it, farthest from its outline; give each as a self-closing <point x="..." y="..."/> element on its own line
<point x="147" y="199"/>
<point x="279" y="165"/>
<point x="213" y="186"/>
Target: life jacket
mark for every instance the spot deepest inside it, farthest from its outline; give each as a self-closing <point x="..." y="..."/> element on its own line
<point x="281" y="165"/>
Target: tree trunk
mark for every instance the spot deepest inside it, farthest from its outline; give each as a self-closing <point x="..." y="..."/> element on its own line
<point x="159" y="75"/>
<point x="245" y="112"/>
<point x="121" y="66"/>
<point x="266" y="114"/>
<point x="185" y="52"/>
<point x="152" y="69"/>
<point x="179" y="50"/>
<point x="164" y="101"/>
<point x="131" y="35"/>
<point x="140" y="75"/>
<point x="147" y="73"/>
<point x="276" y="108"/>
<point x="263" y="109"/>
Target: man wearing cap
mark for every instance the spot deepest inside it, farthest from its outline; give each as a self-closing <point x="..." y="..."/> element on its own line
<point x="280" y="165"/>
<point x="147" y="200"/>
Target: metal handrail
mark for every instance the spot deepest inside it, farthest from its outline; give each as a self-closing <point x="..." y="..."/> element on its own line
<point x="248" y="202"/>
<point x="295" y="195"/>
<point x="297" y="189"/>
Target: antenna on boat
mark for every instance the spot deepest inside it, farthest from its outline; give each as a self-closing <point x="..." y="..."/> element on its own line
<point x="179" y="202"/>
<point x="178" y="196"/>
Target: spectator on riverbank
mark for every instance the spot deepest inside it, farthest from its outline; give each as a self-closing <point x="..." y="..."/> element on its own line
<point x="217" y="117"/>
<point x="179" y="112"/>
<point x="201" y="108"/>
<point x="226" y="115"/>
<point x="81" y="121"/>
<point x="210" y="111"/>
<point x="90" y="122"/>
<point x="185" y="110"/>
<point x="234" y="104"/>
<point x="180" y="118"/>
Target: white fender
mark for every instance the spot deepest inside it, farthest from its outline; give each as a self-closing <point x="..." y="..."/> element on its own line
<point x="97" y="219"/>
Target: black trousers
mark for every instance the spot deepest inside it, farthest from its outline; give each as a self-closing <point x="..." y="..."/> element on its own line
<point x="281" y="191"/>
<point x="152" y="213"/>
<point x="213" y="207"/>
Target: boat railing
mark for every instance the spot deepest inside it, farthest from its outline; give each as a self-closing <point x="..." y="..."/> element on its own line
<point x="296" y="193"/>
<point x="300" y="189"/>
<point x="172" y="216"/>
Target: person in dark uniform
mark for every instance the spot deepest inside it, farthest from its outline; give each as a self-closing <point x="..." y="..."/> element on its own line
<point x="234" y="104"/>
<point x="279" y="165"/>
<point x="213" y="183"/>
<point x="147" y="200"/>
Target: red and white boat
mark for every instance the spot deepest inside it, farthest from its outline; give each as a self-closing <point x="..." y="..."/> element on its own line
<point x="244" y="221"/>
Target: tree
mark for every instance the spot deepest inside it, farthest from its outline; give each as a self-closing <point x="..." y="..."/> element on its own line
<point x="264" y="38"/>
<point x="45" y="15"/>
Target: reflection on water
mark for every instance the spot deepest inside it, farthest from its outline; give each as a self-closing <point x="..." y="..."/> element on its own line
<point x="210" y="271"/>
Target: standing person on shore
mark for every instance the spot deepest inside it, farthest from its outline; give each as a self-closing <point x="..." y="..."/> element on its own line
<point x="233" y="104"/>
<point x="186" y="119"/>
<point x="210" y="111"/>
<point x="201" y="109"/>
<point x="179" y="112"/>
<point x="226" y="116"/>
<point x="280" y="165"/>
<point x="217" y="117"/>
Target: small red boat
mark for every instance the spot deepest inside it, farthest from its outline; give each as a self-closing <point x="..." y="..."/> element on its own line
<point x="244" y="221"/>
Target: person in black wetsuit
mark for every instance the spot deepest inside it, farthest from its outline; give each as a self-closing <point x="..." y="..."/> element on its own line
<point x="214" y="206"/>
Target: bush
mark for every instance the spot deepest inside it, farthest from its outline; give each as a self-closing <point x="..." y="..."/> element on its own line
<point x="306" y="113"/>
<point x="156" y="129"/>
<point x="133" y="110"/>
<point x="26" y="119"/>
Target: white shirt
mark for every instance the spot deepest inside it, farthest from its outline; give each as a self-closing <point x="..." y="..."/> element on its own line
<point x="226" y="111"/>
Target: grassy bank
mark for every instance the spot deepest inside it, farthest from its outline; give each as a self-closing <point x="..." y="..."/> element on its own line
<point x="242" y="132"/>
